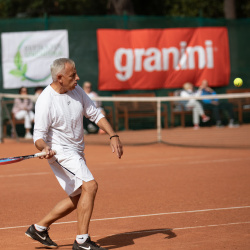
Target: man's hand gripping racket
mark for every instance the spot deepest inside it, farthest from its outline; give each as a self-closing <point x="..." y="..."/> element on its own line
<point x="4" y="161"/>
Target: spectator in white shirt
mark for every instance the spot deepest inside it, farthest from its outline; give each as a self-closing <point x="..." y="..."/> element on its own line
<point x="23" y="109"/>
<point x="194" y="105"/>
<point x="90" y="126"/>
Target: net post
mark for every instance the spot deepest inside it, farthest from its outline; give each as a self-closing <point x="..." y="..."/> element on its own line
<point x="159" y="121"/>
<point x="1" y="120"/>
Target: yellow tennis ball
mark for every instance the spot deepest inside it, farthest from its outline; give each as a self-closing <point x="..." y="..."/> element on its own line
<point x="238" y="82"/>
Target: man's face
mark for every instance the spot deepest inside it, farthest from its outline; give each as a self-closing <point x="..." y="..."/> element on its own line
<point x="69" y="78"/>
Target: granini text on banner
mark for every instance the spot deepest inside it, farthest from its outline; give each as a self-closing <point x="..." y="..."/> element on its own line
<point x="162" y="58"/>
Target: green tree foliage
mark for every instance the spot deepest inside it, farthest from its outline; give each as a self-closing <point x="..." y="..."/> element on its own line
<point x="192" y="8"/>
<point x="242" y="8"/>
<point x="38" y="8"/>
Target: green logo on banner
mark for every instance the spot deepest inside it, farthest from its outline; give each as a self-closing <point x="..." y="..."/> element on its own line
<point x="21" y="68"/>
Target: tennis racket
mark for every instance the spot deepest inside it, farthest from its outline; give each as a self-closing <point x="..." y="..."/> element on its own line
<point x="10" y="160"/>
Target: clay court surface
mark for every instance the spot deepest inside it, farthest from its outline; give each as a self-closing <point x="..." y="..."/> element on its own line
<point x="156" y="197"/>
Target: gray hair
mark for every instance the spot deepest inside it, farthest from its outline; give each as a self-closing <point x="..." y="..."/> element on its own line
<point x="58" y="66"/>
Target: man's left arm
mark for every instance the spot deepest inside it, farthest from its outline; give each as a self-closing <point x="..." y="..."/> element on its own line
<point x="115" y="142"/>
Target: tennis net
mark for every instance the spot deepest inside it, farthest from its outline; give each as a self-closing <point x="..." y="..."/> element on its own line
<point x="144" y="119"/>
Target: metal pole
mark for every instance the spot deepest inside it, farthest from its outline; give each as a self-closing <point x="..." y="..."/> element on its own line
<point x="158" y="121"/>
<point x="1" y="121"/>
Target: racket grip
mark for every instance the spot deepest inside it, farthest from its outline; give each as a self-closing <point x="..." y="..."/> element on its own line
<point x="42" y="154"/>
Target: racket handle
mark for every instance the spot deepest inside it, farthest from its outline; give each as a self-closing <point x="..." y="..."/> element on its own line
<point x="41" y="154"/>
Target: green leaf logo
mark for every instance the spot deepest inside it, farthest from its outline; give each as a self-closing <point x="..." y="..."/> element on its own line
<point x="21" y="68"/>
<point x="16" y="72"/>
<point x="18" y="60"/>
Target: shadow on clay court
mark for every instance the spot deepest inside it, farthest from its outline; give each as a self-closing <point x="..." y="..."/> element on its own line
<point x="127" y="239"/>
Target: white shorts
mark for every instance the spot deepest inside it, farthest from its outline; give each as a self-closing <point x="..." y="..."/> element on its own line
<point x="70" y="170"/>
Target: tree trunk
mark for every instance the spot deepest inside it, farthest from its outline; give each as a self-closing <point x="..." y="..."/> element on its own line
<point x="229" y="9"/>
<point x="120" y="7"/>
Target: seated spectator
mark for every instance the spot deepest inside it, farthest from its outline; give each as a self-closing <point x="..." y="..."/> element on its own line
<point x="90" y="126"/>
<point x="38" y="91"/>
<point x="194" y="105"/>
<point x="216" y="106"/>
<point x="22" y="109"/>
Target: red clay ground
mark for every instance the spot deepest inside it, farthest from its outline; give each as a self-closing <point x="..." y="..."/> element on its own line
<point x="155" y="197"/>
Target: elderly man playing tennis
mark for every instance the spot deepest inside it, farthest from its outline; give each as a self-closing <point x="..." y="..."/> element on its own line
<point x="58" y="131"/>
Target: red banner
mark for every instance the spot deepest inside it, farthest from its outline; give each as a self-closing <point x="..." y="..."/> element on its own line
<point x="162" y="58"/>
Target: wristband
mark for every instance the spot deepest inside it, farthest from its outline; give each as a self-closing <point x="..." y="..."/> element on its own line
<point x="113" y="136"/>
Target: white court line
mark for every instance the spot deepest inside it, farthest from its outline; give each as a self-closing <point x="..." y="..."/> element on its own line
<point x="139" y="216"/>
<point x="149" y="165"/>
<point x="202" y="160"/>
<point x="17" y="175"/>
<point x="216" y="225"/>
<point x="181" y="228"/>
<point x="158" y="159"/>
<point x="139" y="166"/>
<point x="218" y="160"/>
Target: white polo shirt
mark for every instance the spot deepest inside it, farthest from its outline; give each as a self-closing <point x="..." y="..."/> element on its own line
<point x="59" y="118"/>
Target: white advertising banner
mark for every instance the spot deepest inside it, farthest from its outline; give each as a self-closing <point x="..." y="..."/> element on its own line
<point x="27" y="56"/>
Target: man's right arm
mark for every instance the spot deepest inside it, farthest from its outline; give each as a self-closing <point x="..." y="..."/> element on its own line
<point x="42" y="146"/>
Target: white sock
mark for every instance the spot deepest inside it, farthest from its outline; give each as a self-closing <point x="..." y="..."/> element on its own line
<point x="40" y="228"/>
<point x="81" y="238"/>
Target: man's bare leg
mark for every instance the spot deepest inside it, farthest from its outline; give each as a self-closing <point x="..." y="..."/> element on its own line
<point x="85" y="206"/>
<point x="61" y="209"/>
